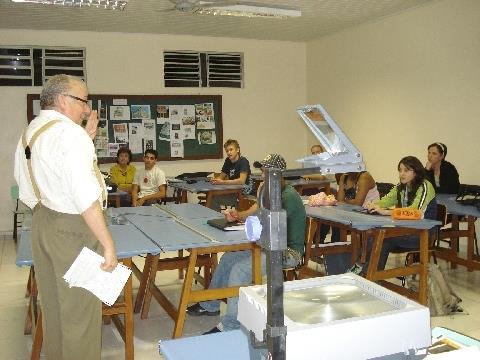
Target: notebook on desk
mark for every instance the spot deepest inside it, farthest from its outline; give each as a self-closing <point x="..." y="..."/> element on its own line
<point x="225" y="225"/>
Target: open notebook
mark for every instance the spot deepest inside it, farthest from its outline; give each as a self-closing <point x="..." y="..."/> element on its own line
<point x="225" y="225"/>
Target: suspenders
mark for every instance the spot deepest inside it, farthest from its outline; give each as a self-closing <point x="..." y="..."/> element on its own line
<point x="28" y="154"/>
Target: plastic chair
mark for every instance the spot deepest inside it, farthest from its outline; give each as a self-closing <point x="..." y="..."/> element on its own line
<point x="16" y="219"/>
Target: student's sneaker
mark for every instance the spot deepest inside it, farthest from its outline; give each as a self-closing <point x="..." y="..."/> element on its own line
<point x="197" y="310"/>
<point x="212" y="331"/>
<point x="356" y="269"/>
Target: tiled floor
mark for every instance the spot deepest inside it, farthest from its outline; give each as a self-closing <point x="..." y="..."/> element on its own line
<point x="15" y="345"/>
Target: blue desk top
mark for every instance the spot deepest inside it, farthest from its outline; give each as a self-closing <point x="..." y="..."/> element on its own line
<point x="231" y="345"/>
<point x="192" y="211"/>
<point x="150" y="230"/>
<point x="344" y="214"/>
<point x="202" y="186"/>
<point x="455" y="208"/>
<point x="129" y="241"/>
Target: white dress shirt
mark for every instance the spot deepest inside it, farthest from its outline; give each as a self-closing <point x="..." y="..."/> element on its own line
<point x="62" y="164"/>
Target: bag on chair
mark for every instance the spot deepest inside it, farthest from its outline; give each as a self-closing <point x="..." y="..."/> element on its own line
<point x="442" y="300"/>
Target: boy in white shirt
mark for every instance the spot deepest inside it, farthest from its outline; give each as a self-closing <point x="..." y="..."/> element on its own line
<point x="149" y="184"/>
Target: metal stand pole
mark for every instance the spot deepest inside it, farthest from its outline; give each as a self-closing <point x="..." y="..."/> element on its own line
<point x="274" y="241"/>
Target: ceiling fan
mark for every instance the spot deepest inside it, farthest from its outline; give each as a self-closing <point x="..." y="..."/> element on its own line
<point x="232" y="8"/>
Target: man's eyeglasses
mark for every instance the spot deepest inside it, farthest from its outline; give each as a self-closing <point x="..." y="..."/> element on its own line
<point x="78" y="98"/>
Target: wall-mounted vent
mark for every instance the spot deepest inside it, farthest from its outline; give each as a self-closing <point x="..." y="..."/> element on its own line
<point x="203" y="69"/>
<point x="33" y="66"/>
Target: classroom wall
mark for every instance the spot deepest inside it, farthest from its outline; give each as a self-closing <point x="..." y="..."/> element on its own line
<point x="399" y="84"/>
<point x="261" y="116"/>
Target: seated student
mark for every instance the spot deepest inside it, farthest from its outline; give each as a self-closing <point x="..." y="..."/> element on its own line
<point x="149" y="185"/>
<point x="442" y="174"/>
<point x="122" y="173"/>
<point x="316" y="149"/>
<point x="413" y="191"/>
<point x="235" y="171"/>
<point x="235" y="268"/>
<point x="355" y="188"/>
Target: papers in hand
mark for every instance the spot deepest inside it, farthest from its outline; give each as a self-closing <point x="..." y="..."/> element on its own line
<point x="85" y="272"/>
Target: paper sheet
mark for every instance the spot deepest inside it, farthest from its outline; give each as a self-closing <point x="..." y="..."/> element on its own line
<point x="85" y="272"/>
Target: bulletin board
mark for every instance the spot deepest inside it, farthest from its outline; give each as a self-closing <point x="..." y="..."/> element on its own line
<point x="179" y="127"/>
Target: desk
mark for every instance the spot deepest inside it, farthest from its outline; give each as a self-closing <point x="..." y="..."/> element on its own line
<point x="457" y="210"/>
<point x="129" y="242"/>
<point x="299" y="184"/>
<point x="381" y="227"/>
<point x="178" y="227"/>
<point x="304" y="184"/>
<point x="116" y="196"/>
<point x="232" y="345"/>
<point x="203" y="242"/>
<point x="235" y="345"/>
<point x="202" y="186"/>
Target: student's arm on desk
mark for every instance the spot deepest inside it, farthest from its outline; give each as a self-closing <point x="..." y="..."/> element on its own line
<point x="160" y="194"/>
<point x="234" y="215"/>
<point x="95" y="220"/>
<point x="224" y="181"/>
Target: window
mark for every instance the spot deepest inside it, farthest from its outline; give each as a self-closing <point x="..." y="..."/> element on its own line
<point x="33" y="66"/>
<point x="203" y="69"/>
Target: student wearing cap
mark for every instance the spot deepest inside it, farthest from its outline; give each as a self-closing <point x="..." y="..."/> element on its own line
<point x="235" y="171"/>
<point x="235" y="268"/>
<point x="442" y="174"/>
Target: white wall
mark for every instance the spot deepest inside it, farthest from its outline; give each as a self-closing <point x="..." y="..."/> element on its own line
<point x="404" y="82"/>
<point x="260" y="116"/>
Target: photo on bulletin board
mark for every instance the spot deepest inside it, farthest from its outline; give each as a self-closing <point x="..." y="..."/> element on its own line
<point x="179" y="127"/>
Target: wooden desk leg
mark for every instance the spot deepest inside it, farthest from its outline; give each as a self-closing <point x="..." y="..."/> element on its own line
<point x="150" y="283"/>
<point x="378" y="237"/>
<point x="327" y="189"/>
<point x="423" y="275"/>
<point x="209" y="200"/>
<point x="256" y="265"/>
<point x="129" y="349"/>
<point x="147" y="269"/>
<point x="471" y="240"/>
<point x="117" y="201"/>
<point x="184" y="197"/>
<point x="180" y="271"/>
<point x="356" y="244"/>
<point x="37" y="338"/>
<point x="185" y="296"/>
<point x="32" y="302"/>
<point x="454" y="240"/>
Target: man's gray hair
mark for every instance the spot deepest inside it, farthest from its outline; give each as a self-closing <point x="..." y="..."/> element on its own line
<point x="56" y="85"/>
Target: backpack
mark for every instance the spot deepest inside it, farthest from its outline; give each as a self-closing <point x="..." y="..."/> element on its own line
<point x="442" y="300"/>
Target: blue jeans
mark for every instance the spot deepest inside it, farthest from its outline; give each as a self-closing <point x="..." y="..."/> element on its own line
<point x="234" y="269"/>
<point x="409" y="242"/>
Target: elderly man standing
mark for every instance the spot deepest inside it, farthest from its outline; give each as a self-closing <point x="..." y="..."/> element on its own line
<point x="57" y="174"/>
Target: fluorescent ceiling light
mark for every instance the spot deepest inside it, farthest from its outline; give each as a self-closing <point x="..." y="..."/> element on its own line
<point x="248" y="9"/>
<point x="106" y="4"/>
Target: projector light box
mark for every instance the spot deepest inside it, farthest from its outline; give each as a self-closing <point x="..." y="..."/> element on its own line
<point x="340" y="317"/>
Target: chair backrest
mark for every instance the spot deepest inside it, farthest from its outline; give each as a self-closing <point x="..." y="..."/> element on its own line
<point x="442" y="214"/>
<point x="14" y="195"/>
<point x="384" y="188"/>
<point x="14" y="192"/>
<point x="309" y="238"/>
